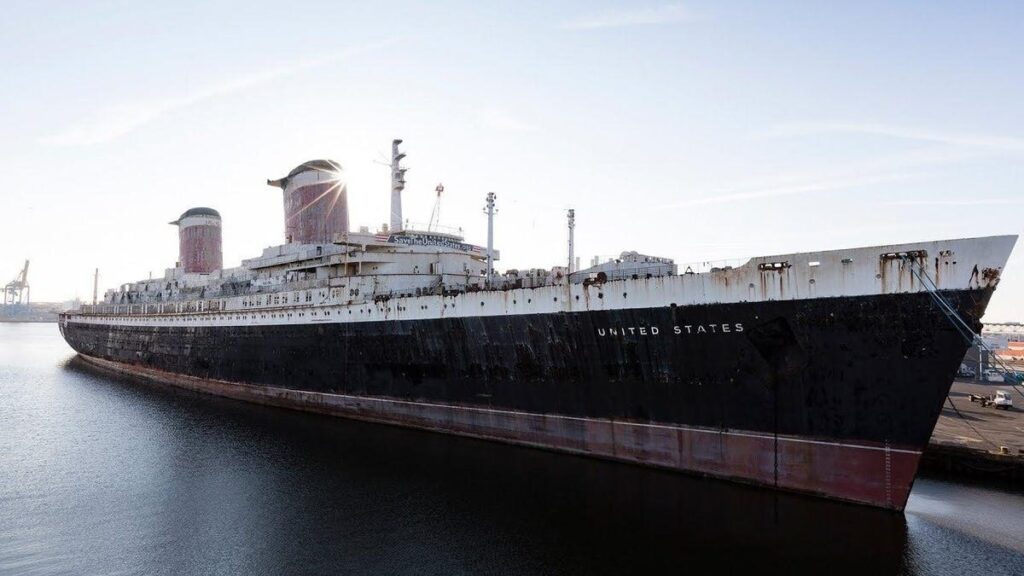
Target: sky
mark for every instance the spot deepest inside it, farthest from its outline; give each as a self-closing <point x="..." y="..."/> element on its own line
<point x="697" y="130"/>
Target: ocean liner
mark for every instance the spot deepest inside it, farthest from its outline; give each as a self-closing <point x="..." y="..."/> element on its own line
<point x="819" y="372"/>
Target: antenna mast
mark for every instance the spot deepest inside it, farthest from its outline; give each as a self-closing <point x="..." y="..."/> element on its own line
<point x="489" y="209"/>
<point x="435" y="215"/>
<point x="572" y="227"/>
<point x="397" y="185"/>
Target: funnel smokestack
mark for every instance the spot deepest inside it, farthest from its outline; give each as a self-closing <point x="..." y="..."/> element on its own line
<point x="199" y="240"/>
<point x="315" y="202"/>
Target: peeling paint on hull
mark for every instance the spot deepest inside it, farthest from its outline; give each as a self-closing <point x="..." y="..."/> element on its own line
<point x="832" y="396"/>
<point x="831" y="469"/>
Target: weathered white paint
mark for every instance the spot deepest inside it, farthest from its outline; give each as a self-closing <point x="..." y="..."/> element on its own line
<point x="963" y="264"/>
<point x="199" y="220"/>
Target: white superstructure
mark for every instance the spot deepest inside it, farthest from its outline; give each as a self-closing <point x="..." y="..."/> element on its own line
<point x="398" y="274"/>
<point x="364" y="278"/>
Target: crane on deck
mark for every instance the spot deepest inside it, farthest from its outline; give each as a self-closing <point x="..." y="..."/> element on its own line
<point x="435" y="215"/>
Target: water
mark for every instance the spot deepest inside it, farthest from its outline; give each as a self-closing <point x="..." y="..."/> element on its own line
<point x="105" y="475"/>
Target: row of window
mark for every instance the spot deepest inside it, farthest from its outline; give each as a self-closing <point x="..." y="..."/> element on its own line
<point x="283" y="300"/>
<point x="279" y="299"/>
<point x="263" y="315"/>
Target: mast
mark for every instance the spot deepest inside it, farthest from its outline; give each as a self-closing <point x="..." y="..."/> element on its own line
<point x="572" y="226"/>
<point x="435" y="215"/>
<point x="490" y="236"/>
<point x="397" y="185"/>
<point x="95" y="285"/>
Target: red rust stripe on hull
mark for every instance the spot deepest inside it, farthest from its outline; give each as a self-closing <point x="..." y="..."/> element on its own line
<point x="863" y="473"/>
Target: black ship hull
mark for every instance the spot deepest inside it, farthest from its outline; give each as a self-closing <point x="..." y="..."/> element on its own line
<point x="833" y="396"/>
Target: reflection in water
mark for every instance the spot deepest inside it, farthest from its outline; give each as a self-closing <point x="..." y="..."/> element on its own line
<point x="326" y="492"/>
<point x="110" y="473"/>
<point x="957" y="528"/>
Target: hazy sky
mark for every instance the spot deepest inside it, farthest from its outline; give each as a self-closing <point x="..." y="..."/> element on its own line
<point x="700" y="130"/>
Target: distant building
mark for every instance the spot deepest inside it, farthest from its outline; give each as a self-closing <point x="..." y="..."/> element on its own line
<point x="1011" y="331"/>
<point x="1006" y="341"/>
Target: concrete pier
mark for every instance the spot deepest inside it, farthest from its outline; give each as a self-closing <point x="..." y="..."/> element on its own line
<point x="977" y="440"/>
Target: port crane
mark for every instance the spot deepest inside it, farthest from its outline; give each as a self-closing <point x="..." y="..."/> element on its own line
<point x="17" y="291"/>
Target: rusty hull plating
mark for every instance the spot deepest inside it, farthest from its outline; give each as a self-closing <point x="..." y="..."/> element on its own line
<point x="817" y="372"/>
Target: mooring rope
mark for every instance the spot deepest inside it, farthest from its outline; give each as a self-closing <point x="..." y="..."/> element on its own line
<point x="968" y="423"/>
<point x="972" y="338"/>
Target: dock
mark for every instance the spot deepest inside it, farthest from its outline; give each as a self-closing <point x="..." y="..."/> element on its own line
<point x="975" y="440"/>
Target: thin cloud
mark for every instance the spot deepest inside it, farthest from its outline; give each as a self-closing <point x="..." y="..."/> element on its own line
<point x="990" y="142"/>
<point x="116" y="121"/>
<point x="792" y="189"/>
<point x="965" y="202"/>
<point x="952" y="148"/>
<point x="620" y="18"/>
<point x="888" y="169"/>
<point x="502" y="120"/>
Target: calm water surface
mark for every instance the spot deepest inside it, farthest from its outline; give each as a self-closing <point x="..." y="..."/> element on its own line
<point x="107" y="475"/>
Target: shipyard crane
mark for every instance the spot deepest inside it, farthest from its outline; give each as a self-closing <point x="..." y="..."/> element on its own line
<point x="17" y="291"/>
